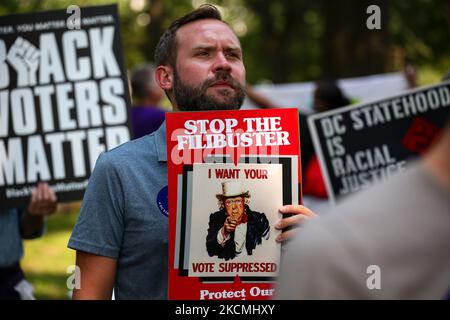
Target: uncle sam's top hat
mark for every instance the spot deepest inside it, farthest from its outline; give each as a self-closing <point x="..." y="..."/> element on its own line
<point x="231" y="189"/>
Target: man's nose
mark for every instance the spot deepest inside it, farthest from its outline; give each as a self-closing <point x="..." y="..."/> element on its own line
<point x="221" y="62"/>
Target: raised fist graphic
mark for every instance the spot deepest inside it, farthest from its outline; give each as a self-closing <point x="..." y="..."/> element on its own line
<point x="24" y="57"/>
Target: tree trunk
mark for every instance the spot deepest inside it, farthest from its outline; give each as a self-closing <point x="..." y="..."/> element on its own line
<point x="350" y="49"/>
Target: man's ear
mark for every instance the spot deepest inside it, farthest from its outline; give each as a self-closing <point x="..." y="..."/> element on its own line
<point x="164" y="77"/>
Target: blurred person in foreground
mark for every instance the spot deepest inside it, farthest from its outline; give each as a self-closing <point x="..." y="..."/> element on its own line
<point x="146" y="112"/>
<point x="17" y="224"/>
<point x="121" y="235"/>
<point x="393" y="238"/>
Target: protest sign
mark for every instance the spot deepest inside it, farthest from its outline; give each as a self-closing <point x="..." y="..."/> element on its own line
<point x="229" y="173"/>
<point x="362" y="144"/>
<point x="63" y="99"/>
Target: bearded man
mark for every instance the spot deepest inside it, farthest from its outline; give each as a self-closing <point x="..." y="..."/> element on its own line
<point x="121" y="236"/>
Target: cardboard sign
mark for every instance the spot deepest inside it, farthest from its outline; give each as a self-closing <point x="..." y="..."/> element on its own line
<point x="229" y="173"/>
<point x="63" y="99"/>
<point x="362" y="144"/>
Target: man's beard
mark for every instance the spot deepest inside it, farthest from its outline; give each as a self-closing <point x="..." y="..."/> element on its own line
<point x="196" y="99"/>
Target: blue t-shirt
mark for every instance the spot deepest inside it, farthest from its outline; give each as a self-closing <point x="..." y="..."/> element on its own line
<point x="11" y="248"/>
<point x="124" y="216"/>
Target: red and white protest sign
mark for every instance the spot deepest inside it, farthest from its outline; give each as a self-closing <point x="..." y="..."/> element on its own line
<point x="229" y="172"/>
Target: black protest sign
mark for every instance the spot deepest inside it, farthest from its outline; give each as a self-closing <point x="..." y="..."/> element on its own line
<point x="63" y="99"/>
<point x="358" y="145"/>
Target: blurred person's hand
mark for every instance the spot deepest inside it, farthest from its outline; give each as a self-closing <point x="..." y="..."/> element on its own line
<point x="260" y="100"/>
<point x="411" y="75"/>
<point x="43" y="201"/>
<point x="300" y="214"/>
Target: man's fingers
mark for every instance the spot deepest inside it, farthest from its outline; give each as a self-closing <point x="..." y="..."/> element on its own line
<point x="45" y="192"/>
<point x="32" y="204"/>
<point x="40" y="192"/>
<point x="229" y="230"/>
<point x="300" y="214"/>
<point x="286" y="235"/>
<point x="43" y="200"/>
<point x="48" y="194"/>
<point x="230" y="225"/>
<point x="53" y="197"/>
<point x="295" y="220"/>
<point x="297" y="209"/>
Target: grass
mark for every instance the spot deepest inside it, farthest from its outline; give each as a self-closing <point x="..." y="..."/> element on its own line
<point x="46" y="259"/>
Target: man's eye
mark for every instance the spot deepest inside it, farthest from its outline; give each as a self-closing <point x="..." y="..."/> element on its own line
<point x="233" y="55"/>
<point x="203" y="53"/>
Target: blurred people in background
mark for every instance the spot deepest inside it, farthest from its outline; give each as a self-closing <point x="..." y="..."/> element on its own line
<point x="410" y="75"/>
<point x="17" y="224"/>
<point x="391" y="241"/>
<point x="306" y="145"/>
<point x="146" y="113"/>
<point x="327" y="96"/>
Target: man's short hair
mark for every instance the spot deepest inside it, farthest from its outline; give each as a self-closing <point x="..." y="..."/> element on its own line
<point x="165" y="52"/>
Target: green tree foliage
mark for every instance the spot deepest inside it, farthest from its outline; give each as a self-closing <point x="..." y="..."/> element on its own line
<point x="294" y="40"/>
